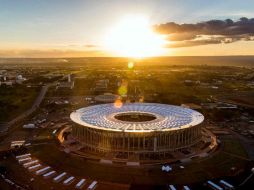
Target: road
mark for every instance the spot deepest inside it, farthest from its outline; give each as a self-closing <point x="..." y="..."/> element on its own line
<point x="35" y="105"/>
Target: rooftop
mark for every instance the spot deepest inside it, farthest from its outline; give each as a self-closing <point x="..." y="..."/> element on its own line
<point x="137" y="117"/>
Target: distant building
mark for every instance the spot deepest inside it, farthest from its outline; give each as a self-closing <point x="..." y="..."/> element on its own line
<point x="188" y="82"/>
<point x="7" y="83"/>
<point x="29" y="126"/>
<point x="2" y="72"/>
<point x="69" y="84"/>
<point x="20" y="79"/>
<point x="65" y="85"/>
<point x="106" y="98"/>
<point x="101" y="85"/>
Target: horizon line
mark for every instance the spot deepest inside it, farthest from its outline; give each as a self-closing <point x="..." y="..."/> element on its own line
<point x="133" y="58"/>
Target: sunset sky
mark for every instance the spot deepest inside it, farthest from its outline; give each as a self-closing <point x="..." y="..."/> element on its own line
<point x="64" y="28"/>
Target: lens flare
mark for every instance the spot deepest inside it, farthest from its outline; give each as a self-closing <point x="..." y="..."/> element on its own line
<point x="130" y="65"/>
<point x="123" y="89"/>
<point x="118" y="103"/>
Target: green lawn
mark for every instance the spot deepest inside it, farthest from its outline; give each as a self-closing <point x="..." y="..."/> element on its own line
<point x="14" y="100"/>
<point x="234" y="147"/>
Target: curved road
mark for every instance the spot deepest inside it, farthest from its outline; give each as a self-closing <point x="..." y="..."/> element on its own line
<point x="35" y="105"/>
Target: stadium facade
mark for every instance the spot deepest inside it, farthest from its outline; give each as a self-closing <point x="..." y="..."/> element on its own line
<point x="137" y="130"/>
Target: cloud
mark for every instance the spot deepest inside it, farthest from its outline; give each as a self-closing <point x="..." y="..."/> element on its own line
<point x="91" y="46"/>
<point x="208" y="32"/>
<point x="85" y="46"/>
<point x="49" y="53"/>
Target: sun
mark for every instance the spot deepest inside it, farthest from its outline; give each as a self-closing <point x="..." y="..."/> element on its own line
<point x="133" y="37"/>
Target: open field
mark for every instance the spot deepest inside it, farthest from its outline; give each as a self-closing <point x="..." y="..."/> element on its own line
<point x="14" y="101"/>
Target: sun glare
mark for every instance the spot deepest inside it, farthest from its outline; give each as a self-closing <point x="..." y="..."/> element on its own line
<point x="133" y="37"/>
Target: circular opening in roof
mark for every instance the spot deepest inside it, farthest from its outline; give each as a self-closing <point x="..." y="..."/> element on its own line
<point x="135" y="117"/>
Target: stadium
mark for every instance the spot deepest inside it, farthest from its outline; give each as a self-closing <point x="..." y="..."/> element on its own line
<point x="137" y="131"/>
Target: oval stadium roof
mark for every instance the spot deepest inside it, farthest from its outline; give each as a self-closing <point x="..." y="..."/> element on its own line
<point x="167" y="117"/>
